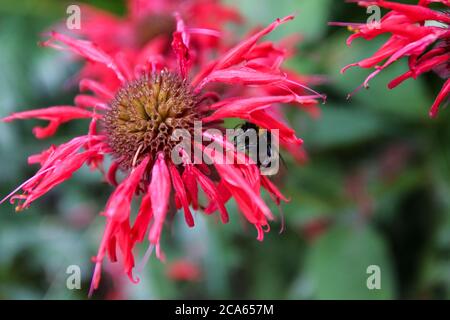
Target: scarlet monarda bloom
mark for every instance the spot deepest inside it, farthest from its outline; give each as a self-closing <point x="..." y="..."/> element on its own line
<point x="135" y="106"/>
<point x="417" y="32"/>
<point x="144" y="34"/>
<point x="183" y="270"/>
<point x="147" y="20"/>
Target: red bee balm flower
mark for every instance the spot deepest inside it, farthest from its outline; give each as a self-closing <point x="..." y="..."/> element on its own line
<point x="417" y="32"/>
<point x="134" y="122"/>
<point x="144" y="35"/>
<point x="148" y="20"/>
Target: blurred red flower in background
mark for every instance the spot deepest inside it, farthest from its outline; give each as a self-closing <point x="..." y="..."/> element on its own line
<point x="139" y="99"/>
<point x="417" y="32"/>
<point x="149" y="20"/>
<point x="144" y="35"/>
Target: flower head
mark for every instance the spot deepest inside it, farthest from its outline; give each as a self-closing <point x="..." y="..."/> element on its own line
<point x="184" y="270"/>
<point x="417" y="32"/>
<point x="135" y="107"/>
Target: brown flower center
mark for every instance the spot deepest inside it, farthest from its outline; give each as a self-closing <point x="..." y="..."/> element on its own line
<point x="153" y="25"/>
<point x="145" y="113"/>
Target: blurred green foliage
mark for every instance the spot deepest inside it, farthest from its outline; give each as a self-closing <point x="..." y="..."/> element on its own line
<point x="375" y="191"/>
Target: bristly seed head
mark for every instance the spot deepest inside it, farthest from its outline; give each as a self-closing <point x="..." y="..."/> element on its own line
<point x="144" y="114"/>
